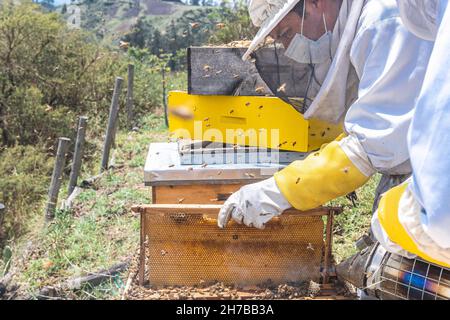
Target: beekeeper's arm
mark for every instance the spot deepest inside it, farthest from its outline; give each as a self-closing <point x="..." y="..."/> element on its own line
<point x="415" y="217"/>
<point x="336" y="170"/>
<point x="384" y="56"/>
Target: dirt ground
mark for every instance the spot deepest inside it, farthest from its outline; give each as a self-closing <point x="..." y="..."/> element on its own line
<point x="220" y="291"/>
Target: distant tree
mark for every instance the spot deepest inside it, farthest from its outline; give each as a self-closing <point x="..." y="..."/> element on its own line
<point x="215" y="25"/>
<point x="64" y="9"/>
<point x="224" y="4"/>
<point x="173" y="42"/>
<point x="156" y="45"/>
<point x="236" y="23"/>
<point x="48" y="3"/>
<point x="141" y="34"/>
<point x="207" y="3"/>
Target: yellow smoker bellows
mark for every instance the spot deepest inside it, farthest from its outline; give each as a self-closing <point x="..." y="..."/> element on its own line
<point x="266" y="122"/>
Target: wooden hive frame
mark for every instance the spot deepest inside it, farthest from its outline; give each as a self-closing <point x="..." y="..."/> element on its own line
<point x="210" y="212"/>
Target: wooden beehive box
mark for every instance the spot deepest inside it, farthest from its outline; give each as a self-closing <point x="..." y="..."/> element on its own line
<point x="182" y="245"/>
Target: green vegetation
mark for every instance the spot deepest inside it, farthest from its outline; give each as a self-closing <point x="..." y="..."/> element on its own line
<point x="211" y="25"/>
<point x="25" y="175"/>
<point x="100" y="230"/>
<point x="354" y="221"/>
<point x="49" y="76"/>
<point x="111" y="20"/>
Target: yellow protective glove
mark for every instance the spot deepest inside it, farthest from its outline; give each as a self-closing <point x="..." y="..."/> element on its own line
<point x="321" y="177"/>
<point x="388" y="216"/>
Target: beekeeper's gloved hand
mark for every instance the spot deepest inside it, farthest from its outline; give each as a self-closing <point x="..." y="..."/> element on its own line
<point x="254" y="205"/>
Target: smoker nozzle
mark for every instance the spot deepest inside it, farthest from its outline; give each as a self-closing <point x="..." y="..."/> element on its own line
<point x="354" y="269"/>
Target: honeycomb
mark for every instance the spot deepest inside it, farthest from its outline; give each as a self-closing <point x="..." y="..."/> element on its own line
<point x="189" y="249"/>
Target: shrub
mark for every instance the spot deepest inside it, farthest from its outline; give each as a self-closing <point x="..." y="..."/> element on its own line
<point x="25" y="173"/>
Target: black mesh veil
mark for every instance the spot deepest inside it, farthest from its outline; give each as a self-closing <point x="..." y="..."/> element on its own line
<point x="295" y="83"/>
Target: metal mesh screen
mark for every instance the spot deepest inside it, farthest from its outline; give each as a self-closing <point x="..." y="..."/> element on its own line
<point x="189" y="249"/>
<point x="295" y="83"/>
<point x="413" y="279"/>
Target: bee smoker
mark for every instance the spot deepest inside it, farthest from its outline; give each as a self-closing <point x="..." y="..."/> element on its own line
<point x="386" y="276"/>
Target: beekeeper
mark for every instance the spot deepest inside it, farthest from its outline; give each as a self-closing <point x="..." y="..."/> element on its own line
<point x="374" y="73"/>
<point x="414" y="218"/>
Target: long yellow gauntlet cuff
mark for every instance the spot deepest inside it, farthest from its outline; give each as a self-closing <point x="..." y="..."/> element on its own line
<point x="389" y="221"/>
<point x="321" y="177"/>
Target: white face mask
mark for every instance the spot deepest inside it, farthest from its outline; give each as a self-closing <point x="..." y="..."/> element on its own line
<point x="304" y="50"/>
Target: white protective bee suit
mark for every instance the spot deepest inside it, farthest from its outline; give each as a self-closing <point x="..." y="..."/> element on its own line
<point x="415" y="218"/>
<point x="372" y="84"/>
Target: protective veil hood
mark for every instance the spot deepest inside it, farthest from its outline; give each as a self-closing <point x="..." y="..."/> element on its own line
<point x="419" y="17"/>
<point x="333" y="98"/>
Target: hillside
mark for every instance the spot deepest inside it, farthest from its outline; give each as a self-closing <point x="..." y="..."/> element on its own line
<point x="101" y="231"/>
<point x="111" y="20"/>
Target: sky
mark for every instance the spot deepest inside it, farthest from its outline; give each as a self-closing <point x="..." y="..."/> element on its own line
<point x="58" y="2"/>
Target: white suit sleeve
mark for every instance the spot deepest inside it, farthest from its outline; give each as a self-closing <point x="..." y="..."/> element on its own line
<point x="429" y="140"/>
<point x="385" y="56"/>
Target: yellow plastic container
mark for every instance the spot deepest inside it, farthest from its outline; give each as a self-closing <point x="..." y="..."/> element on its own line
<point x="266" y="122"/>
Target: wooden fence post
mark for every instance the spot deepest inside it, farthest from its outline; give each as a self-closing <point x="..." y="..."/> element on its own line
<point x="2" y="214"/>
<point x="110" y="132"/>
<point x="78" y="154"/>
<point x="130" y="115"/>
<point x="166" y="115"/>
<point x="55" y="184"/>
